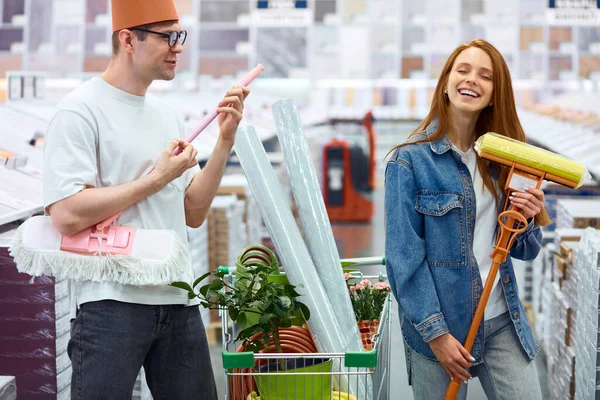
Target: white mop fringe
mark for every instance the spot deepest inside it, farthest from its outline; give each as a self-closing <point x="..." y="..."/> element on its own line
<point x="129" y="270"/>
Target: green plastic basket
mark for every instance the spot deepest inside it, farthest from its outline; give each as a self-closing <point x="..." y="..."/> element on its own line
<point x="297" y="386"/>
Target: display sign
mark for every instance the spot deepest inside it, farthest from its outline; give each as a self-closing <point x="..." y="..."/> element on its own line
<point x="281" y="13"/>
<point x="574" y="12"/>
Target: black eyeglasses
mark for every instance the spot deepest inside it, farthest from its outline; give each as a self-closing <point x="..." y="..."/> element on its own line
<point x="172" y="36"/>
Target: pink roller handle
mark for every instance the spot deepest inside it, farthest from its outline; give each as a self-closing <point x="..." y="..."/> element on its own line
<point x="210" y="117"/>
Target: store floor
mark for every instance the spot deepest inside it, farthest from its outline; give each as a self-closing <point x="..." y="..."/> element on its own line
<point x="361" y="240"/>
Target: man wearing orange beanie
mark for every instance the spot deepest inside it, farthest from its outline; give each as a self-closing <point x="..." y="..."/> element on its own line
<point x="101" y="144"/>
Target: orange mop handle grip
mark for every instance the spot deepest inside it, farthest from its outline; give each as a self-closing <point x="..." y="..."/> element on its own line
<point x="453" y="389"/>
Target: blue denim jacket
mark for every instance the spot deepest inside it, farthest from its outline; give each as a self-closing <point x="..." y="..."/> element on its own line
<point x="430" y="219"/>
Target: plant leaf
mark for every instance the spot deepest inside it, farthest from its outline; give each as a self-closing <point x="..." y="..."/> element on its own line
<point x="286" y="323"/>
<point x="250" y="331"/>
<point x="285" y="302"/>
<point x="204" y="290"/>
<point x="261" y="268"/>
<point x="241" y="320"/>
<point x="291" y="290"/>
<point x="265" y="319"/>
<point x="280" y="311"/>
<point x="183" y="285"/>
<point x="305" y="310"/>
<point x="267" y="304"/>
<point x="253" y="347"/>
<point x="200" y="279"/>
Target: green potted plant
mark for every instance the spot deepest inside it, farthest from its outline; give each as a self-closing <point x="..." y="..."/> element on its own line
<point x="259" y="255"/>
<point x="258" y="293"/>
<point x="261" y="301"/>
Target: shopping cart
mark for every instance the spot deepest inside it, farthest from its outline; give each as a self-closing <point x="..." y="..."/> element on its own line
<point x="310" y="376"/>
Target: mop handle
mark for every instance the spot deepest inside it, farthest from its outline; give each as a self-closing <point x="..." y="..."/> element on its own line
<point x="505" y="240"/>
<point x="213" y="114"/>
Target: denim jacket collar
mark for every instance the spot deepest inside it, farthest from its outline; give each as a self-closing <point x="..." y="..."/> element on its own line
<point x="439" y="146"/>
<point x="442" y="145"/>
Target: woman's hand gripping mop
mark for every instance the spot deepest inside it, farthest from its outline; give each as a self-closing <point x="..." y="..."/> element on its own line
<point x="105" y="251"/>
<point x="529" y="166"/>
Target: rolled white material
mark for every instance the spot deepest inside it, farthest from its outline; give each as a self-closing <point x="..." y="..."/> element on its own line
<point x="313" y="214"/>
<point x="291" y="249"/>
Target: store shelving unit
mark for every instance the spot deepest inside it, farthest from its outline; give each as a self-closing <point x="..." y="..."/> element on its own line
<point x="12" y="47"/>
<point x="356" y="39"/>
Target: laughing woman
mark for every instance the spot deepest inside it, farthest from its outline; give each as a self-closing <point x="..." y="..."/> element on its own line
<point x="441" y="205"/>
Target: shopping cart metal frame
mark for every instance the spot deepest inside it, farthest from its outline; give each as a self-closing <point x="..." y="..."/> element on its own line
<point x="373" y="365"/>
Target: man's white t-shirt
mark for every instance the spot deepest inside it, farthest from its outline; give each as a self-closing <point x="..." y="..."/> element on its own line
<point x="486" y="219"/>
<point x="102" y="136"/>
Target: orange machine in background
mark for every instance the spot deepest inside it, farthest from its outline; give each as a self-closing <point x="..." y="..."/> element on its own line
<point x="349" y="176"/>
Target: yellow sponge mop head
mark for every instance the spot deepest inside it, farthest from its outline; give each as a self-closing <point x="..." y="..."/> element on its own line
<point x="512" y="150"/>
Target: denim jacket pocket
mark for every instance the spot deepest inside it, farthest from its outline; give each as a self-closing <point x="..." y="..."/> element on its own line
<point x="443" y="227"/>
